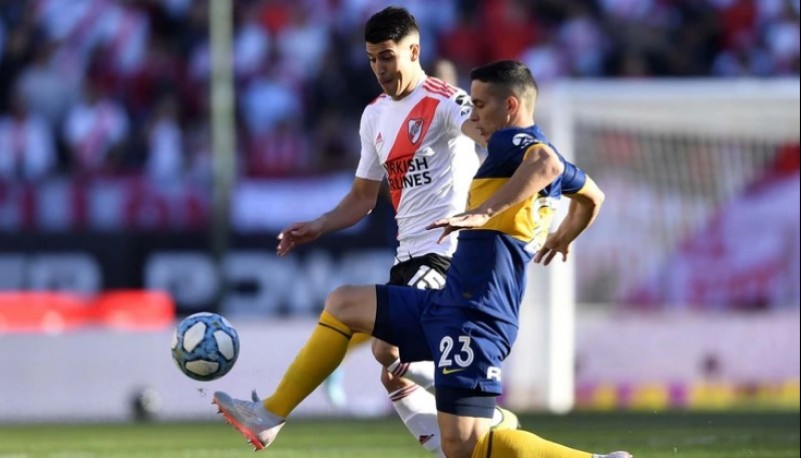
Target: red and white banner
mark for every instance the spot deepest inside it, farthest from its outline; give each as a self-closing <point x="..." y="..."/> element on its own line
<point x="102" y="204"/>
<point x="135" y="203"/>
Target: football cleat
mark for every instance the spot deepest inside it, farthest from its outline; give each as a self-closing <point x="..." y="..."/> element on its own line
<point x="619" y="454"/>
<point x="506" y="419"/>
<point x="251" y="419"/>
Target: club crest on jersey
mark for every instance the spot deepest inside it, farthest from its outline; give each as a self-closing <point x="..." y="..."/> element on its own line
<point x="415" y="130"/>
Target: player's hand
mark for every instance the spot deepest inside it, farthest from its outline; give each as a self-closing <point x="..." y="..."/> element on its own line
<point x="552" y="246"/>
<point x="298" y="234"/>
<point x="466" y="220"/>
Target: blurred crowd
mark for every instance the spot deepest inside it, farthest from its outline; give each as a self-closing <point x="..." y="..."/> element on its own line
<point x="108" y="87"/>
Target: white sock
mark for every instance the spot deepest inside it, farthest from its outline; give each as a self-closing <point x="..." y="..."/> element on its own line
<point x="420" y="372"/>
<point x="418" y="410"/>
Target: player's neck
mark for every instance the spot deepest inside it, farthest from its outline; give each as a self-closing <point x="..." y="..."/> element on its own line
<point x="522" y="120"/>
<point x="413" y="83"/>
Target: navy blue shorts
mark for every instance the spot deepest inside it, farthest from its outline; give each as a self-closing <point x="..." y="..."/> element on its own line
<point x="467" y="346"/>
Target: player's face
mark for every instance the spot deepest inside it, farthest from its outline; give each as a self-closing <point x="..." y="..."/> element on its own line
<point x="393" y="65"/>
<point x="490" y="110"/>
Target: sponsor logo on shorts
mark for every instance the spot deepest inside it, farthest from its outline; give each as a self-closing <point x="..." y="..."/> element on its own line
<point x="447" y="371"/>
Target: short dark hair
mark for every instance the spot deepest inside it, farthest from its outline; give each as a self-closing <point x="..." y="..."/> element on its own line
<point x="510" y="73"/>
<point x="392" y="23"/>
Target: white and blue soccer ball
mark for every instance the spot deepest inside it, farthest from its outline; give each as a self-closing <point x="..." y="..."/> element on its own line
<point x="205" y="346"/>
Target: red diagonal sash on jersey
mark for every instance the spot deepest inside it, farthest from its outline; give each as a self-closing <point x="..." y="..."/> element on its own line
<point x="410" y="136"/>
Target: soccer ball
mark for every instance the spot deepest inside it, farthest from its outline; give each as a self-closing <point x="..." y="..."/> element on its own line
<point x="205" y="346"/>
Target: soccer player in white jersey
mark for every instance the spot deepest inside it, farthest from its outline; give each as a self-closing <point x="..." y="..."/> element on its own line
<point x="418" y="135"/>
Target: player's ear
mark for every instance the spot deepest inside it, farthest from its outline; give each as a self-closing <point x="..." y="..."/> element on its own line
<point x="512" y="104"/>
<point x="415" y="48"/>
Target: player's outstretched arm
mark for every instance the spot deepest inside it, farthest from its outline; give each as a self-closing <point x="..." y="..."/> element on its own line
<point x="584" y="208"/>
<point x="356" y="204"/>
<point x="540" y="166"/>
<point x="466" y="220"/>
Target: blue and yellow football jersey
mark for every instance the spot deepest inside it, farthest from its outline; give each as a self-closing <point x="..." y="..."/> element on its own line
<point x="488" y="270"/>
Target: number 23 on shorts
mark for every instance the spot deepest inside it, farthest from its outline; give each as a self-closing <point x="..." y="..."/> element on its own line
<point x="455" y="359"/>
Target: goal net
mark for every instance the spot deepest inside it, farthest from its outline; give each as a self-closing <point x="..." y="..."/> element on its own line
<point x="671" y="157"/>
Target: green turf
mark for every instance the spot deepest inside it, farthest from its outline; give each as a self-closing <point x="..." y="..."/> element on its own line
<point x="662" y="435"/>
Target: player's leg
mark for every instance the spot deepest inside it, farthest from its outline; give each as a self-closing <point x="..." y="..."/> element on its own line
<point x="523" y="444"/>
<point x="408" y="403"/>
<point x="335" y="383"/>
<point x="415" y="406"/>
<point x="470" y="348"/>
<point x="423" y="272"/>
<point x="419" y="372"/>
<point x="464" y="418"/>
<point x="417" y="410"/>
<point x="348" y="309"/>
<point x="406" y="382"/>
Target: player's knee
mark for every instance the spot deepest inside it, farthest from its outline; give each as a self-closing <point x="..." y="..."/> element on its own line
<point x="352" y="306"/>
<point x="338" y="302"/>
<point x="384" y="353"/>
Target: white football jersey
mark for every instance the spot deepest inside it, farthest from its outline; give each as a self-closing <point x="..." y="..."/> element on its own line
<point x="417" y="143"/>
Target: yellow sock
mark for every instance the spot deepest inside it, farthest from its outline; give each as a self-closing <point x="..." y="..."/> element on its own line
<point x="357" y="340"/>
<point x="516" y="443"/>
<point x="322" y="353"/>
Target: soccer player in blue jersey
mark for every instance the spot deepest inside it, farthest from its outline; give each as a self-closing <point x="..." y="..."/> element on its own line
<point x="417" y="135"/>
<point x="468" y="327"/>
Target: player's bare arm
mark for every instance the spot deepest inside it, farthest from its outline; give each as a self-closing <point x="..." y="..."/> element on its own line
<point x="470" y="129"/>
<point x="356" y="204"/>
<point x="540" y="166"/>
<point x="584" y="208"/>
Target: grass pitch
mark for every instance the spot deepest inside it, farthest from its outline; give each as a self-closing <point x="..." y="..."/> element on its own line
<point x="654" y="435"/>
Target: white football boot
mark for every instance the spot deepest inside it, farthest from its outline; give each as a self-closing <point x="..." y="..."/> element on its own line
<point x="619" y="454"/>
<point x="250" y="418"/>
